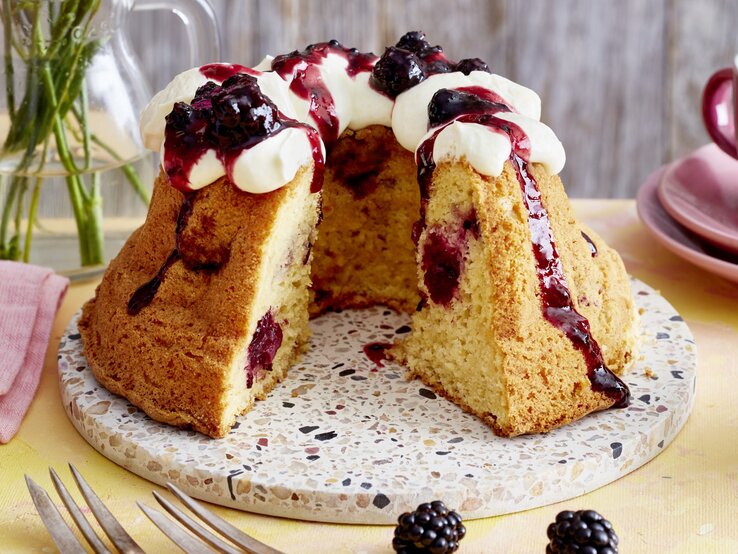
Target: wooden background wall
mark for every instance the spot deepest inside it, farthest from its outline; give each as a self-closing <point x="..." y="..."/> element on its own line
<point x="620" y="80"/>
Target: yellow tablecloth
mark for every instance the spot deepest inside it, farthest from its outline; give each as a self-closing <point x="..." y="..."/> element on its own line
<point x="685" y="500"/>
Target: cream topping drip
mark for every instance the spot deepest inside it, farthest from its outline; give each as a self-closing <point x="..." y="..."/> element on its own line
<point x="275" y="161"/>
<point x="356" y="103"/>
<point x="485" y="149"/>
<point x="365" y="105"/>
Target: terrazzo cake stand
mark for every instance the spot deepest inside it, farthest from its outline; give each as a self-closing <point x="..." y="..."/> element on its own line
<point x="343" y="440"/>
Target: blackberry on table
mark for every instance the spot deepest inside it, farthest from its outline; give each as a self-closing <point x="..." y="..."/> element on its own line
<point x="581" y="532"/>
<point x="431" y="528"/>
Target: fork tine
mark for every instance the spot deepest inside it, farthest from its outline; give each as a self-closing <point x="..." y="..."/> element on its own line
<point x="195" y="527"/>
<point x="81" y="521"/>
<point x="60" y="532"/>
<point x="185" y="541"/>
<point x="222" y="526"/>
<point x="119" y="537"/>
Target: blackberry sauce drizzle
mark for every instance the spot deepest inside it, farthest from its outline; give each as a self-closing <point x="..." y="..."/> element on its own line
<point x="488" y="96"/>
<point x="303" y="68"/>
<point x="193" y="130"/>
<point x="221" y="71"/>
<point x="558" y="308"/>
<point x="146" y="292"/>
<point x="376" y="352"/>
<point x="556" y="301"/>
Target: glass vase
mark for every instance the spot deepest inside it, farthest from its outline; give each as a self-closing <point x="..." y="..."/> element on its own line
<point x="75" y="179"/>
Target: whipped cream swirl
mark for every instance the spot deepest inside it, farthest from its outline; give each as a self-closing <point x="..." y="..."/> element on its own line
<point x="329" y="87"/>
<point x="484" y="149"/>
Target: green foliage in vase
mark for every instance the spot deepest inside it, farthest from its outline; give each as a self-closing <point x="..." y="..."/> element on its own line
<point x="53" y="41"/>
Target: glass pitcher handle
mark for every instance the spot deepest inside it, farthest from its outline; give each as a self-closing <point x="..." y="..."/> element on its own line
<point x="199" y="20"/>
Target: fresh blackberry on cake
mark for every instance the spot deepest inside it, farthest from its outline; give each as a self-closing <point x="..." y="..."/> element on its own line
<point x="180" y="117"/>
<point x="468" y="65"/>
<point x="413" y="41"/>
<point x="396" y="71"/>
<point x="188" y="126"/>
<point x="203" y="96"/>
<point x="581" y="532"/>
<point x="448" y="104"/>
<point x="435" y="65"/>
<point x="429" y="53"/>
<point x="435" y="61"/>
<point x="239" y="108"/>
<point x="430" y="528"/>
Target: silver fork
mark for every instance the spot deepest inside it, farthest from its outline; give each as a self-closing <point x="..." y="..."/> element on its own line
<point x="65" y="540"/>
<point x="187" y="542"/>
<point x="61" y="533"/>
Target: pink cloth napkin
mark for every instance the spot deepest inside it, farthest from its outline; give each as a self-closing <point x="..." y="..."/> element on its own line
<point x="29" y="299"/>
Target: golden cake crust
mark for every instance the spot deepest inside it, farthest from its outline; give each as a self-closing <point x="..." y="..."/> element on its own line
<point x="542" y="376"/>
<point x="169" y="359"/>
<point x="545" y="374"/>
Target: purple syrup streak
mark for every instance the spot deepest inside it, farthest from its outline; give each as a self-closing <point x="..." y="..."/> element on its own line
<point x="302" y="68"/>
<point x="185" y="141"/>
<point x="221" y="71"/>
<point x="556" y="302"/>
<point x="144" y="295"/>
<point x="377" y="352"/>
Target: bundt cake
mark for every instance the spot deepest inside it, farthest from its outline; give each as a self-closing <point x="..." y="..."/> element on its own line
<point x="437" y="188"/>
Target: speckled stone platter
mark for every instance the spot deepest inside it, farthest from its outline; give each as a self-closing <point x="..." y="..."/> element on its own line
<point x="343" y="440"/>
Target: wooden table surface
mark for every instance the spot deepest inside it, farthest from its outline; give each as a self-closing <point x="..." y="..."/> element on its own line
<point x="683" y="501"/>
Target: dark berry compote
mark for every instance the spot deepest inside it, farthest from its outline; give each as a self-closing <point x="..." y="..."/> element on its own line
<point x="227" y="119"/>
<point x="411" y="61"/>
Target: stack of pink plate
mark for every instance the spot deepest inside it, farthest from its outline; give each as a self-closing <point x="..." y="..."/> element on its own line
<point x="691" y="207"/>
